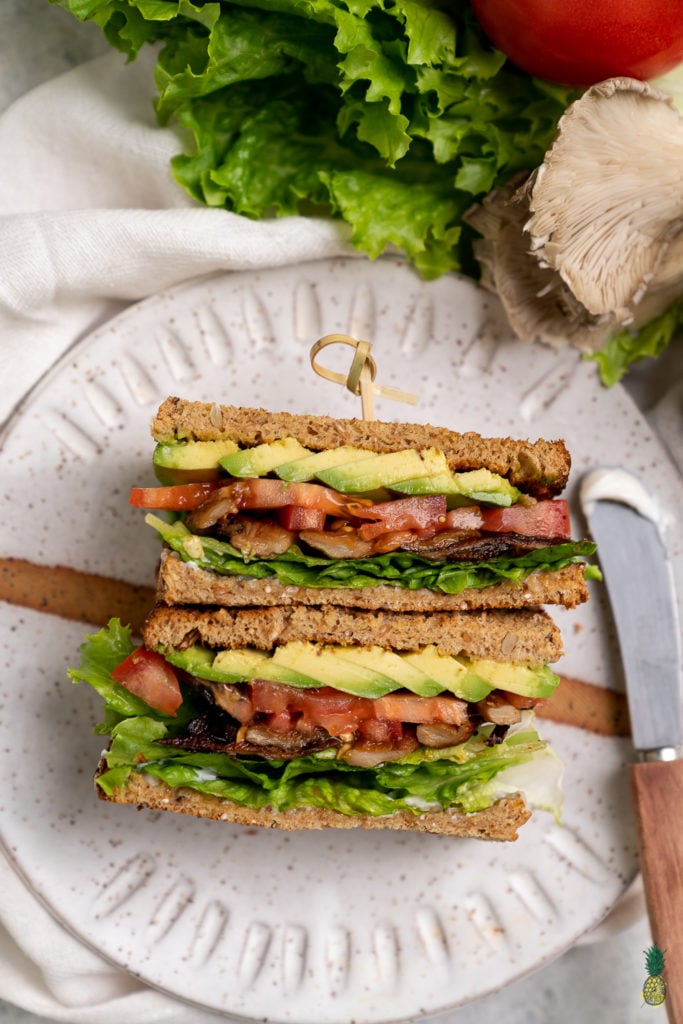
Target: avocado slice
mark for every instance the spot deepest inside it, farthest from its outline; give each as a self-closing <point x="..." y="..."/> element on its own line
<point x="366" y="671"/>
<point x="477" y="485"/>
<point x="264" y="458"/>
<point x="187" y="461"/>
<point x="521" y="679"/>
<point x="237" y="667"/>
<point x="328" y="666"/>
<point x="308" y="467"/>
<point x="370" y="474"/>
<point x="397" y="667"/>
<point x="450" y="673"/>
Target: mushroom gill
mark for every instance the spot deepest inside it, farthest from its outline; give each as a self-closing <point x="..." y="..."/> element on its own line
<point x="593" y="238"/>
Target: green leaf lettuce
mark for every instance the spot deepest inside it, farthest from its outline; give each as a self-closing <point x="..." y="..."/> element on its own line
<point x="392" y="115"/>
<point x="398" y="568"/>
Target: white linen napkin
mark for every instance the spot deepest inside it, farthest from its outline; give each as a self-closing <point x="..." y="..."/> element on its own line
<point x="91" y="218"/>
<point x="90" y="221"/>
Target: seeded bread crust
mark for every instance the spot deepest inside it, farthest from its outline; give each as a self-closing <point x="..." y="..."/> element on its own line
<point x="181" y="582"/>
<point x="540" y="468"/>
<point x="526" y="637"/>
<point x="499" y="822"/>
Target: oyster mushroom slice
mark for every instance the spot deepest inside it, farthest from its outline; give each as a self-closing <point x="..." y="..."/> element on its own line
<point x="538" y="305"/>
<point x="606" y="205"/>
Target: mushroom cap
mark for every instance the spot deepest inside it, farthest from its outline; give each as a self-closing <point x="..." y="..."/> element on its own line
<point x="607" y="202"/>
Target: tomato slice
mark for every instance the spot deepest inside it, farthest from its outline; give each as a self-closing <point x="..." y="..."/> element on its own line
<point x="424" y="513"/>
<point x="149" y="676"/>
<point x="264" y="493"/>
<point x="543" y="519"/>
<point x="294" y="517"/>
<point x="176" y="498"/>
<point x="337" y="711"/>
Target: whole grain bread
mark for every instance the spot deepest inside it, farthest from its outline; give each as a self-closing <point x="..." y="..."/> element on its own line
<point x="180" y="582"/>
<point x="540" y="468"/>
<point x="499" y="822"/>
<point x="528" y="637"/>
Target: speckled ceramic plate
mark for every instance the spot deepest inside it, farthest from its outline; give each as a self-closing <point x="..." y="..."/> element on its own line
<point x="333" y="926"/>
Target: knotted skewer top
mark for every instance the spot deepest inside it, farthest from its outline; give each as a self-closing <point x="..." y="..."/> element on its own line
<point x="360" y="379"/>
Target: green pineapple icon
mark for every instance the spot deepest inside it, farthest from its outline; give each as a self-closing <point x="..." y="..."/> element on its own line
<point x="654" y="989"/>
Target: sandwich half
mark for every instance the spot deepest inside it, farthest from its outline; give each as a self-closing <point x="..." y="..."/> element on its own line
<point x="348" y="629"/>
<point x="280" y="508"/>
<point x="307" y="718"/>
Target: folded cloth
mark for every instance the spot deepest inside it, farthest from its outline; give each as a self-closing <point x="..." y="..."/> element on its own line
<point x="47" y="971"/>
<point x="91" y="218"/>
<point x="90" y="221"/>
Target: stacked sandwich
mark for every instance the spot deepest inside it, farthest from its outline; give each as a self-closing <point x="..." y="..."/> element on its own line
<point x="348" y="629"/>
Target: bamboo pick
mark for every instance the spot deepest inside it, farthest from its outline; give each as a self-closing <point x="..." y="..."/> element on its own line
<point x="360" y="380"/>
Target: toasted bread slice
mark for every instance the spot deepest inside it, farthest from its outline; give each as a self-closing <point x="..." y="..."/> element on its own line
<point x="540" y="468"/>
<point x="527" y="637"/>
<point x="181" y="582"/>
<point x="499" y="822"/>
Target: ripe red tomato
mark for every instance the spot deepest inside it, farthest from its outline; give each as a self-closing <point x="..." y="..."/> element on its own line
<point x="149" y="676"/>
<point x="177" y="498"/>
<point x="543" y="519"/>
<point x="295" y="517"/>
<point x="586" y="41"/>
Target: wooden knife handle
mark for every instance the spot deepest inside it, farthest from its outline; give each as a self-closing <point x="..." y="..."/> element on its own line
<point x="658" y="801"/>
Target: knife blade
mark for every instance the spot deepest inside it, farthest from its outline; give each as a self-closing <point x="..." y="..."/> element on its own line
<point x="624" y="523"/>
<point x="639" y="582"/>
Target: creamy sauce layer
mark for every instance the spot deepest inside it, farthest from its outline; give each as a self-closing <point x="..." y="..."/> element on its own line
<point x="614" y="484"/>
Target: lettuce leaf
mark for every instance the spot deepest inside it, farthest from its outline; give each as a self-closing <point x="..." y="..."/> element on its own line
<point x="399" y="568"/>
<point x="627" y="347"/>
<point x="100" y="653"/>
<point x="392" y="115"/>
<point x="470" y="776"/>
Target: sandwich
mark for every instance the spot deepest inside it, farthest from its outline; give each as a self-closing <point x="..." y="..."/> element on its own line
<point x="284" y="508"/>
<point x="349" y="628"/>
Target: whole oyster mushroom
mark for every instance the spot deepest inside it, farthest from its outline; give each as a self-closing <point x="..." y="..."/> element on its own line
<point x="592" y="240"/>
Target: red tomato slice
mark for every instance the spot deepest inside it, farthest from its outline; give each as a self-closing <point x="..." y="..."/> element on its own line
<point x="425" y="513"/>
<point x="337" y="711"/>
<point x="281" y="722"/>
<point x="149" y="676"/>
<point x="294" y="517"/>
<point x="177" y="498"/>
<point x="271" y="698"/>
<point x="544" y="519"/>
<point x="264" y="493"/>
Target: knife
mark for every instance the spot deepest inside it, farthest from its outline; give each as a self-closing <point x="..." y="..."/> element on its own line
<point x="625" y="524"/>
